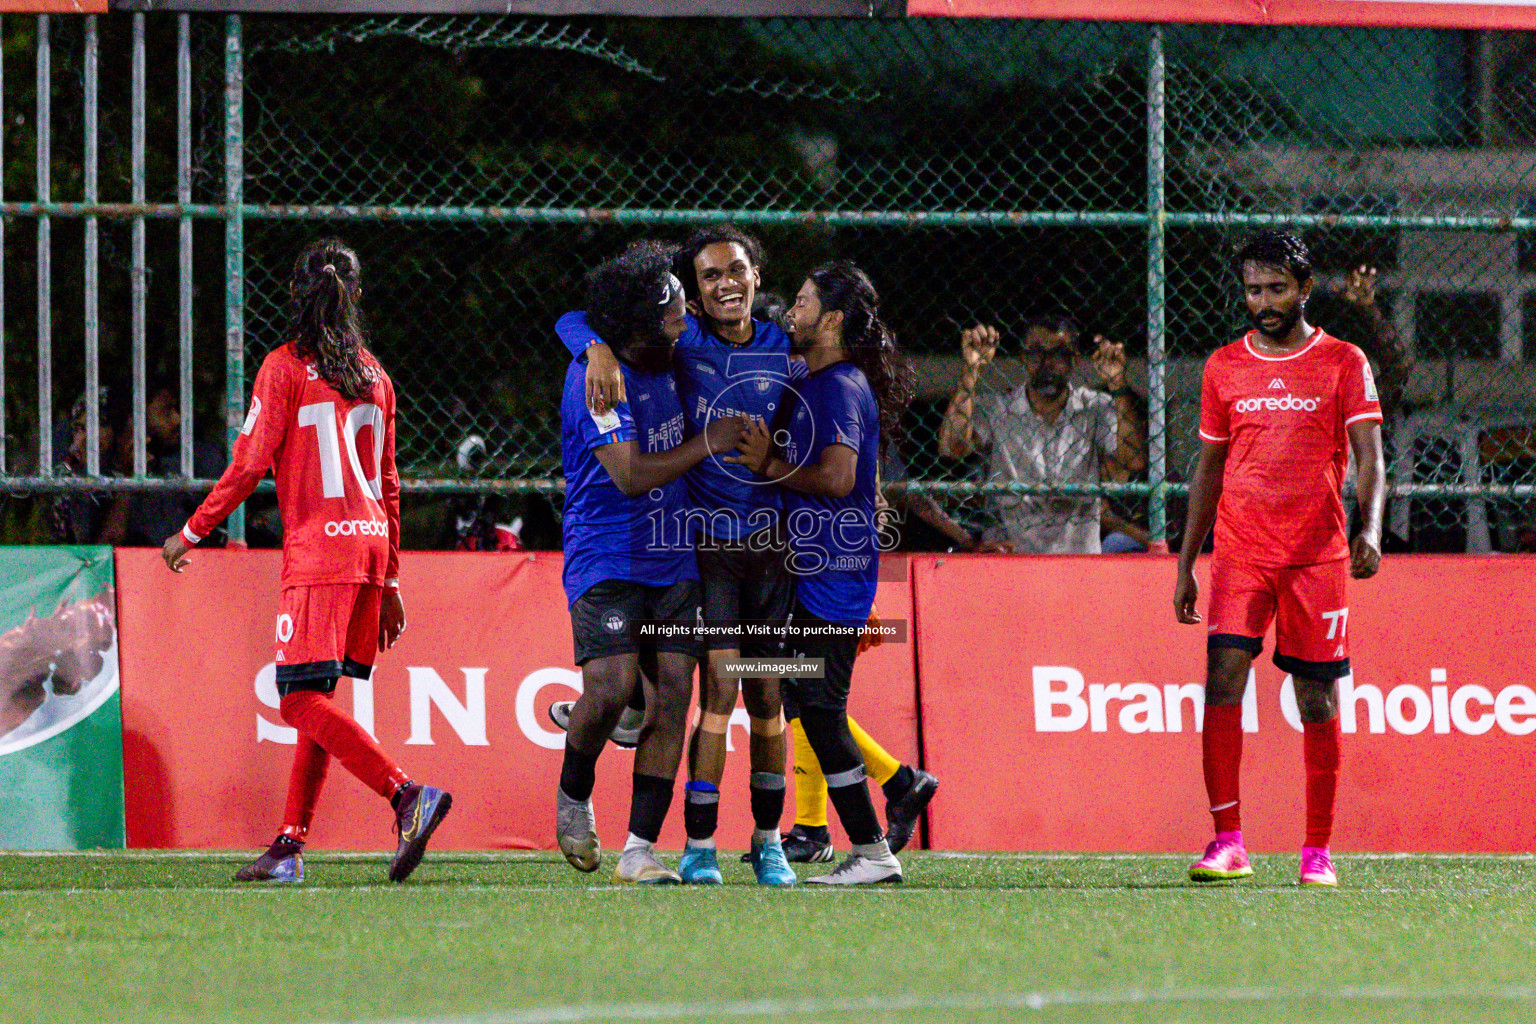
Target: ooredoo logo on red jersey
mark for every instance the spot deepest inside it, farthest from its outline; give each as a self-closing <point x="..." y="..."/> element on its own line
<point x="356" y="528"/>
<point x="1289" y="403"/>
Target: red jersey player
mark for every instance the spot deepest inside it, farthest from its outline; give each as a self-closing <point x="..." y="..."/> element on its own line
<point x="322" y="417"/>
<point x="1277" y="409"/>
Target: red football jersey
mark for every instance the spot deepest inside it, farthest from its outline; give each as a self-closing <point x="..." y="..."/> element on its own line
<point x="334" y="463"/>
<point x="1284" y="419"/>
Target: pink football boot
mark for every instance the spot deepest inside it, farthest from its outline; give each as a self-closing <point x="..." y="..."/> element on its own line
<point x="1224" y="859"/>
<point x="1317" y="866"/>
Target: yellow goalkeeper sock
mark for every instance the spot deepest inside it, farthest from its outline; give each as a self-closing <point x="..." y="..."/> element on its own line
<point x="810" y="783"/>
<point x="882" y="767"/>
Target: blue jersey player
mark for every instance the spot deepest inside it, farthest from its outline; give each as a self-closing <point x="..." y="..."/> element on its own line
<point x="726" y="364"/>
<point x="630" y="579"/>
<point x="824" y="452"/>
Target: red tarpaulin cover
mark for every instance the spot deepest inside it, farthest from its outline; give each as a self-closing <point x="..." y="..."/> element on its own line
<point x="53" y="6"/>
<point x="1378" y="13"/>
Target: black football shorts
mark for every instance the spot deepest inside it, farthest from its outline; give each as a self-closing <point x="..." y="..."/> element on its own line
<point x="621" y="617"/>
<point x="746" y="581"/>
<point x="812" y="639"/>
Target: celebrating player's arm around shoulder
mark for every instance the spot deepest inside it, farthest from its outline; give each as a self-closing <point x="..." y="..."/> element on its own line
<point x="322" y="418"/>
<point x="1281" y="409"/>
<point x="726" y="364"/>
<point x="630" y="575"/>
<point x="825" y="451"/>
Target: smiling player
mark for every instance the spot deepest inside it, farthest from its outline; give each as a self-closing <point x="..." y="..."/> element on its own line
<point x="727" y="365"/>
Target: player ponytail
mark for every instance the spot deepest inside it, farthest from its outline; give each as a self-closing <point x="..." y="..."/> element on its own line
<point x="870" y="344"/>
<point x="326" y="318"/>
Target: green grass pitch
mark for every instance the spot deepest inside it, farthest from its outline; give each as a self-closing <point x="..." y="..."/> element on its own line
<point x="474" y="939"/>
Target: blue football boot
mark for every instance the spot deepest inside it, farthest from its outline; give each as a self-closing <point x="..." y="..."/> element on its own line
<point x="699" y="866"/>
<point x="769" y="863"/>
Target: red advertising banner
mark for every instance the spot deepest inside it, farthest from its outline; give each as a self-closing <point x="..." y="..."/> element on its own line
<point x="461" y="702"/>
<point x="1499" y="14"/>
<point x="1074" y="679"/>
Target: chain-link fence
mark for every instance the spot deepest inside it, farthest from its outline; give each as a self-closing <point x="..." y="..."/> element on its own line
<point x="982" y="172"/>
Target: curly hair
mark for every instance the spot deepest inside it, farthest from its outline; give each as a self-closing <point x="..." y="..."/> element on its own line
<point x="326" y="316"/>
<point x="871" y="345"/>
<point x="1279" y="249"/>
<point x="627" y="296"/>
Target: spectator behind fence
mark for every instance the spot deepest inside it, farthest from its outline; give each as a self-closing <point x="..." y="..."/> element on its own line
<point x="930" y="517"/>
<point x="1352" y="314"/>
<point x="1047" y="431"/>
<point x="76" y="517"/>
<point x="145" y="518"/>
<point x="1123" y="526"/>
<point x="482" y="522"/>
<point x="497" y="420"/>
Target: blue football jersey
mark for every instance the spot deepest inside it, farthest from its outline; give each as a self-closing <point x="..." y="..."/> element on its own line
<point x="605" y="535"/>
<point x="716" y="379"/>
<point x="835" y="551"/>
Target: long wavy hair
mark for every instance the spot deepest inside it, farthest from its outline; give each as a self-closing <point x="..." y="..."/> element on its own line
<point x="326" y="315"/>
<point x="870" y="344"/>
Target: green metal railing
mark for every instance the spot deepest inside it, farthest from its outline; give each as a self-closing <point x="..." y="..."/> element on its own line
<point x="281" y="105"/>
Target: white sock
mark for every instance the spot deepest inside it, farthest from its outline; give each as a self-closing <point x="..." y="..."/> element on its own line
<point x="873" y="851"/>
<point x="631" y="718"/>
<point x="634" y="842"/>
<point x="761" y="836"/>
<point x="702" y="844"/>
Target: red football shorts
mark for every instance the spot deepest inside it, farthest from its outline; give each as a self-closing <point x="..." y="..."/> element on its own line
<point x="1305" y="602"/>
<point x="324" y="632"/>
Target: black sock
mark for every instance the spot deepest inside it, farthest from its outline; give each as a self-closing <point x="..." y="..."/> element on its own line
<point x="767" y="790"/>
<point x="897" y="785"/>
<point x="857" y="812"/>
<point x="399" y="795"/>
<point x="843" y="765"/>
<point x="701" y="810"/>
<point x="648" y="805"/>
<point x="283" y="846"/>
<point x="578" y="773"/>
